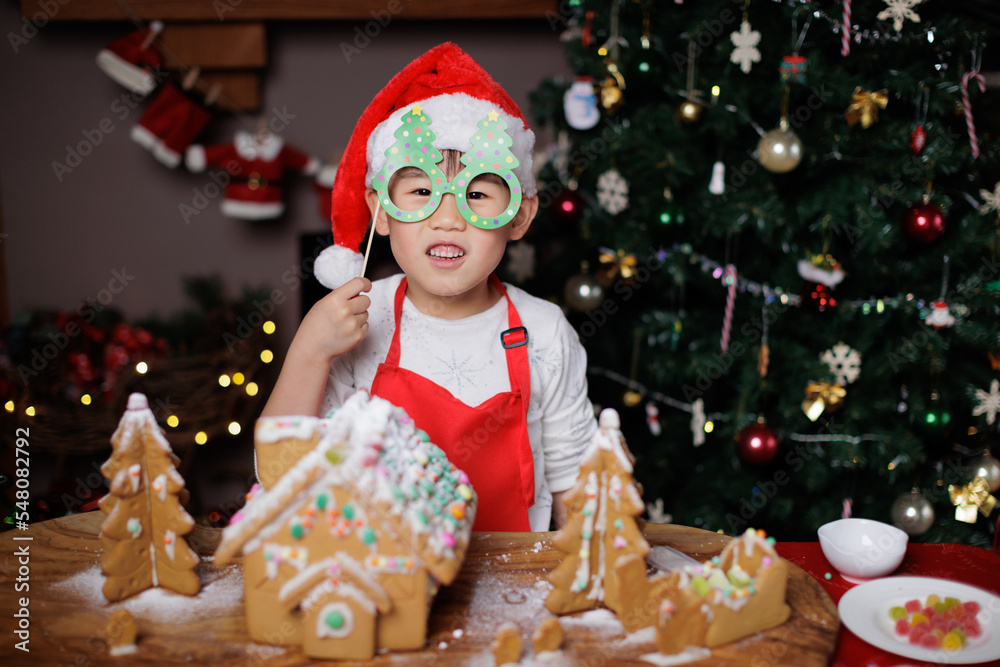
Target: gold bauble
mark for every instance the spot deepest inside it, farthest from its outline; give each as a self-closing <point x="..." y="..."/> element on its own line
<point x="780" y="150"/>
<point x="690" y="112"/>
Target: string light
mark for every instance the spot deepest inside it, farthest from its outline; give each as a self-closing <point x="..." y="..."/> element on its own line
<point x="30" y="411"/>
<point x="173" y="421"/>
<point x="238" y="378"/>
<point x="252" y="389"/>
<point x="267" y="356"/>
<point x="234" y="428"/>
<point x="9" y="406"/>
<point x="86" y="399"/>
<point x="141" y="368"/>
<point x="224" y="380"/>
<point x="268" y="327"/>
<point x="200" y="438"/>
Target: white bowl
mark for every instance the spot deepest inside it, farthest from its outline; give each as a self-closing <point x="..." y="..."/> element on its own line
<point x="861" y="549"/>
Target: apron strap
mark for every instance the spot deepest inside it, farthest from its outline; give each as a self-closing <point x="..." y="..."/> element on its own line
<point x="514" y="341"/>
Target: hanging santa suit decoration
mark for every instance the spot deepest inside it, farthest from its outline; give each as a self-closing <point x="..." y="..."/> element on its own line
<point x="171" y="123"/>
<point x="257" y="164"/>
<point x="134" y="60"/>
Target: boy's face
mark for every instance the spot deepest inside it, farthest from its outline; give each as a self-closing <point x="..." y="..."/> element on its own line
<point x="446" y="259"/>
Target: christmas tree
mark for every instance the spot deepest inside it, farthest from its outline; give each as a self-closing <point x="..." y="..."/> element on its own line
<point x="143" y="534"/>
<point x="778" y="241"/>
<point x="601" y="526"/>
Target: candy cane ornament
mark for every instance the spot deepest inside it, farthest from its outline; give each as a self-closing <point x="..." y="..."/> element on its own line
<point x="845" y="30"/>
<point x="728" y="279"/>
<point x="972" y="75"/>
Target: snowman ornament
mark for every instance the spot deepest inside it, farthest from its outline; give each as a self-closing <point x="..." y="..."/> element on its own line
<point x="580" y="104"/>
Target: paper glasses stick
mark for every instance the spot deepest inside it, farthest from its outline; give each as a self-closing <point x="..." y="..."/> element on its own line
<point x="371" y="235"/>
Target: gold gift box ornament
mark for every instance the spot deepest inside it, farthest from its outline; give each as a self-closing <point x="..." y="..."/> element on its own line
<point x="974" y="496"/>
<point x="864" y="106"/>
<point x="822" y="396"/>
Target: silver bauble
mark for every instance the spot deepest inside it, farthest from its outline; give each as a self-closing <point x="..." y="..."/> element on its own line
<point x="988" y="468"/>
<point x="583" y="292"/>
<point x="780" y="150"/>
<point x="913" y="513"/>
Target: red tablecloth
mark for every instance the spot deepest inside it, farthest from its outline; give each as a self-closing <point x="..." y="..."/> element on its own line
<point x="956" y="562"/>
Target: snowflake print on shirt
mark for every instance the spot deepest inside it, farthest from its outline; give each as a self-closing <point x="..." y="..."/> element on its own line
<point x="460" y="373"/>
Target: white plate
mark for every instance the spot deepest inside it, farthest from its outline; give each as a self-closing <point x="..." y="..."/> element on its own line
<point x="865" y="611"/>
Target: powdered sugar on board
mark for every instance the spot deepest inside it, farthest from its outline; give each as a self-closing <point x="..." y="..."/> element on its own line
<point x="220" y="590"/>
<point x="690" y="654"/>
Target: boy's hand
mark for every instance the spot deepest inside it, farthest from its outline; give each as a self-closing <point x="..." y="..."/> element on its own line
<point x="336" y="323"/>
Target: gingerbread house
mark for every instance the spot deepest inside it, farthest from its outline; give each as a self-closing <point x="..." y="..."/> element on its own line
<point x="346" y="546"/>
<point x="736" y="594"/>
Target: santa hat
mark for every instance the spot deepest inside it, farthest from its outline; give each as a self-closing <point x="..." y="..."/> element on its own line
<point x="134" y="60"/>
<point x="455" y="93"/>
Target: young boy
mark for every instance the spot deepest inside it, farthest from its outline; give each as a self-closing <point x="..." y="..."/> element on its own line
<point x="441" y="161"/>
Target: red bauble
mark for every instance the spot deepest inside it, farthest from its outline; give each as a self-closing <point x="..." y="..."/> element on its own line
<point x="924" y="222"/>
<point x="819" y="297"/>
<point x="567" y="207"/>
<point x="756" y="444"/>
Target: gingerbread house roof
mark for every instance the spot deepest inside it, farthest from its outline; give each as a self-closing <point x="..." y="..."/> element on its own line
<point x="371" y="449"/>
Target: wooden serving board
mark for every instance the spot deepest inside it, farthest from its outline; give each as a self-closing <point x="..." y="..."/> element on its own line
<point x="503" y="579"/>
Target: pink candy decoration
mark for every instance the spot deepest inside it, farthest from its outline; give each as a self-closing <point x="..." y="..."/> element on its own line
<point x="972" y="75"/>
<point x="620" y="542"/>
<point x="448" y="539"/>
<point x="845" y="29"/>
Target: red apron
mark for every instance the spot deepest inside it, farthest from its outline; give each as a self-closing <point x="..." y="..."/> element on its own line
<point x="489" y="441"/>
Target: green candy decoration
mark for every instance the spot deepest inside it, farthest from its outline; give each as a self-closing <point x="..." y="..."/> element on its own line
<point x="335" y="620"/>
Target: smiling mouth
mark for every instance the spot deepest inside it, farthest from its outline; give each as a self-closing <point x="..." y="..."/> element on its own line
<point x="446" y="252"/>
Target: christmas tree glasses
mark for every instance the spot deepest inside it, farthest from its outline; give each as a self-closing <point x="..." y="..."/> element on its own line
<point x="411" y="185"/>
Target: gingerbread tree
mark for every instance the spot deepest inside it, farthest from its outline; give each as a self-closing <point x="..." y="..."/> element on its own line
<point x="602" y="528"/>
<point x="491" y="153"/>
<point x="143" y="534"/>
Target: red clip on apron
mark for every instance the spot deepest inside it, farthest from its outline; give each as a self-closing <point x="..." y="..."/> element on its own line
<point x="489" y="441"/>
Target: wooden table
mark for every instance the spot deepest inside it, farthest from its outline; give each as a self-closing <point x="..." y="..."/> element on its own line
<point x="503" y="579"/>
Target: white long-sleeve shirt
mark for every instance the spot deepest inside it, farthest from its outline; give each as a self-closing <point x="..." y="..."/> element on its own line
<point x="465" y="357"/>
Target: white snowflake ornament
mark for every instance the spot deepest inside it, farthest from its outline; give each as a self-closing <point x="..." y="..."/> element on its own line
<point x="844" y="362"/>
<point x="991" y="200"/>
<point x="521" y="261"/>
<point x="745" y="41"/>
<point x="656" y="513"/>
<point x="899" y="11"/>
<point x="612" y="192"/>
<point x="988" y="403"/>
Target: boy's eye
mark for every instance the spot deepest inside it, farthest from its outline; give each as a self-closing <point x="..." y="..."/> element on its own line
<point x="421" y="192"/>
